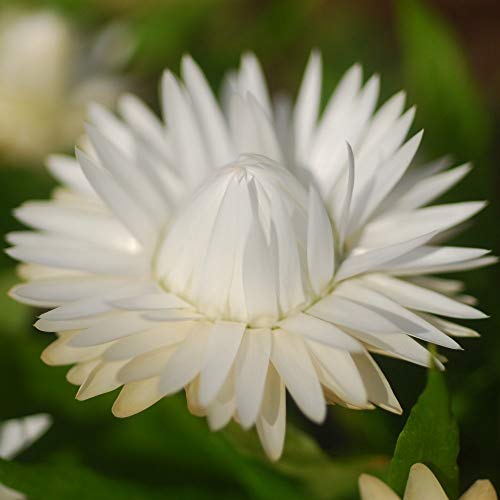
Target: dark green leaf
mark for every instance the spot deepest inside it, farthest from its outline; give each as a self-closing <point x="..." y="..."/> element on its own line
<point x="430" y="436"/>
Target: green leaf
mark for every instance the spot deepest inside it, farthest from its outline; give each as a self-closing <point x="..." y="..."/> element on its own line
<point x="439" y="81"/>
<point x="430" y="436"/>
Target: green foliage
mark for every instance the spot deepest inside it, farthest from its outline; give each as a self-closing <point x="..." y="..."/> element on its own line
<point x="440" y="83"/>
<point x="41" y="482"/>
<point x="316" y="474"/>
<point x="430" y="436"/>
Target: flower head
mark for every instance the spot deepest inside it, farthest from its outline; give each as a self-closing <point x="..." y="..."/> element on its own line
<point x="244" y="250"/>
<point x="421" y="485"/>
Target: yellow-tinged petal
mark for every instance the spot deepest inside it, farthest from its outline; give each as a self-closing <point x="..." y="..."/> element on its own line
<point x="372" y="488"/>
<point x="423" y="485"/>
<point x="482" y="489"/>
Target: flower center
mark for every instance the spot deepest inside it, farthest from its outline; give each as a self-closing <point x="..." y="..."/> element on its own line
<point x="236" y="249"/>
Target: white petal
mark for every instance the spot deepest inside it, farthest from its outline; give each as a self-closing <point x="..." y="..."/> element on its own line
<point x="150" y="301"/>
<point x="392" y="229"/>
<point x="259" y="280"/>
<point x="101" y="380"/>
<point x="450" y="328"/>
<point x="359" y="263"/>
<point x="18" y="434"/>
<point x="423" y="485"/>
<point x="67" y="171"/>
<point x="404" y="320"/>
<point x="429" y="188"/>
<point x="187" y="141"/>
<point x="98" y="304"/>
<point x="220" y="411"/>
<point x="269" y="143"/>
<point x="146" y="366"/>
<point x="56" y="291"/>
<point x="251" y="79"/>
<point x="77" y="374"/>
<point x="136" y="397"/>
<point x="430" y="259"/>
<point x="320" y="331"/>
<point x="7" y="493"/>
<point x="208" y="111"/>
<point x="67" y="254"/>
<point x="223" y="344"/>
<point x="163" y="335"/>
<point x="92" y="227"/>
<point x="383" y="120"/>
<point x="144" y="123"/>
<point x="186" y="362"/>
<point x="337" y="112"/>
<point x="320" y="251"/>
<point x="372" y="488"/>
<point x="128" y="175"/>
<point x="271" y="422"/>
<point x="291" y="358"/>
<point x="389" y="173"/>
<point x="60" y="352"/>
<point x="482" y="489"/>
<point x="250" y="373"/>
<point x="421" y="299"/>
<point x="398" y="345"/>
<point x="119" y="326"/>
<point x="306" y="109"/>
<point x="121" y="204"/>
<point x="111" y="127"/>
<point x="351" y="314"/>
<point x="342" y="224"/>
<point x="378" y="388"/>
<point x="338" y="372"/>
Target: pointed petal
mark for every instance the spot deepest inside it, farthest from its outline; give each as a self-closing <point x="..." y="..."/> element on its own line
<point x="291" y="358"/>
<point x="320" y="251"/>
<point x="423" y="485"/>
<point x="250" y="373"/>
<point x="306" y="109"/>
<point x="271" y="422"/>
<point x="372" y="488"/>
<point x="321" y="331"/>
<point x="136" y="397"/>
<point x="223" y="344"/>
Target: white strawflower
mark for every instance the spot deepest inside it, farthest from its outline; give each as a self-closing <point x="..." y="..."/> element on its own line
<point x="47" y="78"/>
<point x="242" y="251"/>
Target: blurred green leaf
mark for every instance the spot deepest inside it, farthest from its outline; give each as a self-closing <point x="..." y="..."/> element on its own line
<point x="42" y="482"/>
<point x="440" y="82"/>
<point x="308" y="466"/>
<point x="14" y="317"/>
<point x="430" y="436"/>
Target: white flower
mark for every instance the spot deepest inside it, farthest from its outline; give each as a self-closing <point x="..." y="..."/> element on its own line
<point x="240" y="252"/>
<point x="19" y="433"/>
<point x="421" y="485"/>
<point x="46" y="80"/>
<point x="15" y="436"/>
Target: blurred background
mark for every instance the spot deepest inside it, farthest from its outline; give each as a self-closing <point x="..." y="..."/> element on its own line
<point x="57" y="55"/>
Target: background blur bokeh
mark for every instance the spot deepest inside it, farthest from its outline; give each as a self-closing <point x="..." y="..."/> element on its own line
<point x="444" y="53"/>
